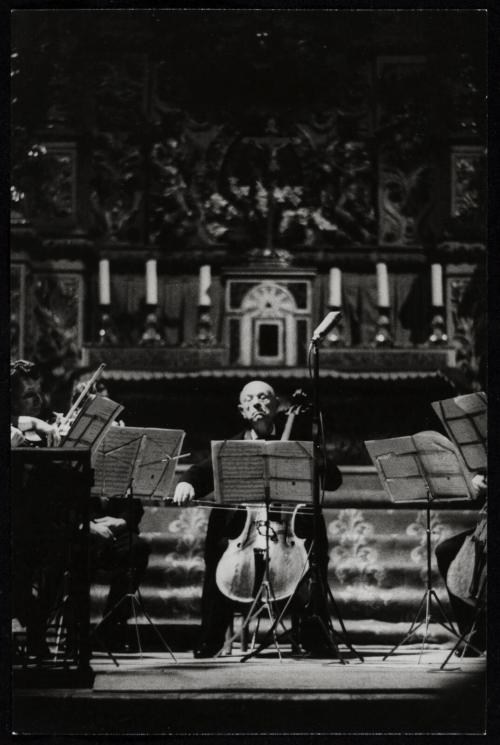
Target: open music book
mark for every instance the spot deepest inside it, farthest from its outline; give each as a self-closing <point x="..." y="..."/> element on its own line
<point x="408" y="465"/>
<point x="465" y="420"/>
<point x="91" y="424"/>
<point x="262" y="470"/>
<point x="143" y="459"/>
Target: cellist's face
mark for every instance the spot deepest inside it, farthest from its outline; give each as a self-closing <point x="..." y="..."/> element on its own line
<point x="258" y="404"/>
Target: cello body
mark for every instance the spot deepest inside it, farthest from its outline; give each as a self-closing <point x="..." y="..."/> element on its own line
<point x="267" y="548"/>
<point x="467" y="572"/>
<point x="242" y="568"/>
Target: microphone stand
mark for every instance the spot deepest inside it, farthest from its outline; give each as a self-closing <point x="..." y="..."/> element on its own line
<point x="320" y="592"/>
<point x="319" y="589"/>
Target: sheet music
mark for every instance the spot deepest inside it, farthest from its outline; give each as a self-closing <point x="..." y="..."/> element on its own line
<point x="465" y="420"/>
<point x="90" y="426"/>
<point x="244" y="468"/>
<point x="116" y="462"/>
<point x="407" y="465"/>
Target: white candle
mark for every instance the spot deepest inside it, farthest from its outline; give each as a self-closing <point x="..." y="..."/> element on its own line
<point x="151" y="283"/>
<point x="104" y="282"/>
<point x="437" y="285"/>
<point x="205" y="280"/>
<point x="335" y="285"/>
<point x="382" y="285"/>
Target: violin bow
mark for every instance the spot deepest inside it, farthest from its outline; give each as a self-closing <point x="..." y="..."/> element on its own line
<point x="85" y="391"/>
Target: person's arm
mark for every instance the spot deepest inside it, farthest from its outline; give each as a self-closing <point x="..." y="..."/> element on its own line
<point x="196" y="483"/>
<point x="27" y="423"/>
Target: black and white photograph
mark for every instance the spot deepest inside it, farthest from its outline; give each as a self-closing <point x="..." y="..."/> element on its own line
<point x="248" y="371"/>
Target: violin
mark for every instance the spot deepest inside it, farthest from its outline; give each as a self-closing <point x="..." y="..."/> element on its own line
<point x="35" y="431"/>
<point x="267" y="547"/>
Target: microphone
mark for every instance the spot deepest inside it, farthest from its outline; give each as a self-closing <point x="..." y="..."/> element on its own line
<point x="328" y="322"/>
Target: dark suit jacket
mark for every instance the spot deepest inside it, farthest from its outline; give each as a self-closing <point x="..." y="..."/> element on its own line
<point x="201" y="475"/>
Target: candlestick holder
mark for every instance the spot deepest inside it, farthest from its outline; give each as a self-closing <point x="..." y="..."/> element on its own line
<point x="383" y="337"/>
<point x="438" y="336"/>
<point x="107" y="335"/>
<point x="204" y="334"/>
<point x="336" y="336"/>
<point x="151" y="336"/>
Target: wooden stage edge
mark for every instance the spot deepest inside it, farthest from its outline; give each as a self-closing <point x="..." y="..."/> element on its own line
<point x="155" y="695"/>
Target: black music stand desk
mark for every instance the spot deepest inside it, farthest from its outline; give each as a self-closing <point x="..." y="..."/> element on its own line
<point x="417" y="470"/>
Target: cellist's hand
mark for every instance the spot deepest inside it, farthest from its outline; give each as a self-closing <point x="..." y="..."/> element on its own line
<point x="184" y="493"/>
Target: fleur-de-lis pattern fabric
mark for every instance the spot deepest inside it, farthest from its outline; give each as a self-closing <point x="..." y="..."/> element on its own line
<point x="377" y="561"/>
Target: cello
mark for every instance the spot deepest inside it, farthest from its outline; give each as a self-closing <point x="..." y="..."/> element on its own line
<point x="267" y="548"/>
<point x="466" y="575"/>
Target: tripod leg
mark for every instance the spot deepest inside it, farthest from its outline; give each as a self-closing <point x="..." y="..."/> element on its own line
<point x="268" y="607"/>
<point x="95" y="631"/>
<point x="136" y="625"/>
<point x="158" y="634"/>
<point x="245" y="624"/>
<point x="426" y="623"/>
<point x="413" y="627"/>
<point x="448" y="624"/>
<point x="106" y="650"/>
<point x="338" y="616"/>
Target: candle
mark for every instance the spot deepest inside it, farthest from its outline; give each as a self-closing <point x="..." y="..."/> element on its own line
<point x="205" y="280"/>
<point x="104" y="282"/>
<point x="437" y="285"/>
<point x="335" y="285"/>
<point x="151" y="283"/>
<point x="382" y="285"/>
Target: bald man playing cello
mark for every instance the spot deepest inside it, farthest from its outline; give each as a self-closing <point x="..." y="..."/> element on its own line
<point x="258" y="406"/>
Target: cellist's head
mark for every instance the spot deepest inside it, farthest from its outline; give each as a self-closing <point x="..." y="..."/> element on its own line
<point x="258" y="406"/>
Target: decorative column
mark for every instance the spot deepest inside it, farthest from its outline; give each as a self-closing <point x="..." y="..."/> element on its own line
<point x="438" y="326"/>
<point x="336" y="337"/>
<point x="204" y="335"/>
<point x="383" y="337"/>
<point x="151" y="336"/>
<point x="107" y="336"/>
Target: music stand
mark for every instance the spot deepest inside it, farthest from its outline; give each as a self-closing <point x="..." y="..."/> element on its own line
<point x="133" y="463"/>
<point x="465" y="420"/>
<point x="262" y="472"/>
<point x="414" y="470"/>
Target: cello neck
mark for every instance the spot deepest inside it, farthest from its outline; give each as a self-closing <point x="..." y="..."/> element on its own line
<point x="288" y="425"/>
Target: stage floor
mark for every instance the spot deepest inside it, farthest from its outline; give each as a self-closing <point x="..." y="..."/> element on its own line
<point x="154" y="694"/>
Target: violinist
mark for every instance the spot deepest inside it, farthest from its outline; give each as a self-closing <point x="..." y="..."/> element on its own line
<point x="463" y="571"/>
<point x="258" y="406"/>
<point x="26" y="404"/>
<point x="117" y="548"/>
<point x="35" y="576"/>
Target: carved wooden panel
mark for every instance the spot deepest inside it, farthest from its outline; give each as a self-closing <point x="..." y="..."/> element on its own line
<point x="406" y="168"/>
<point x="54" y="201"/>
<point x="57" y="319"/>
<point x="17" y="310"/>
<point x="468" y="187"/>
